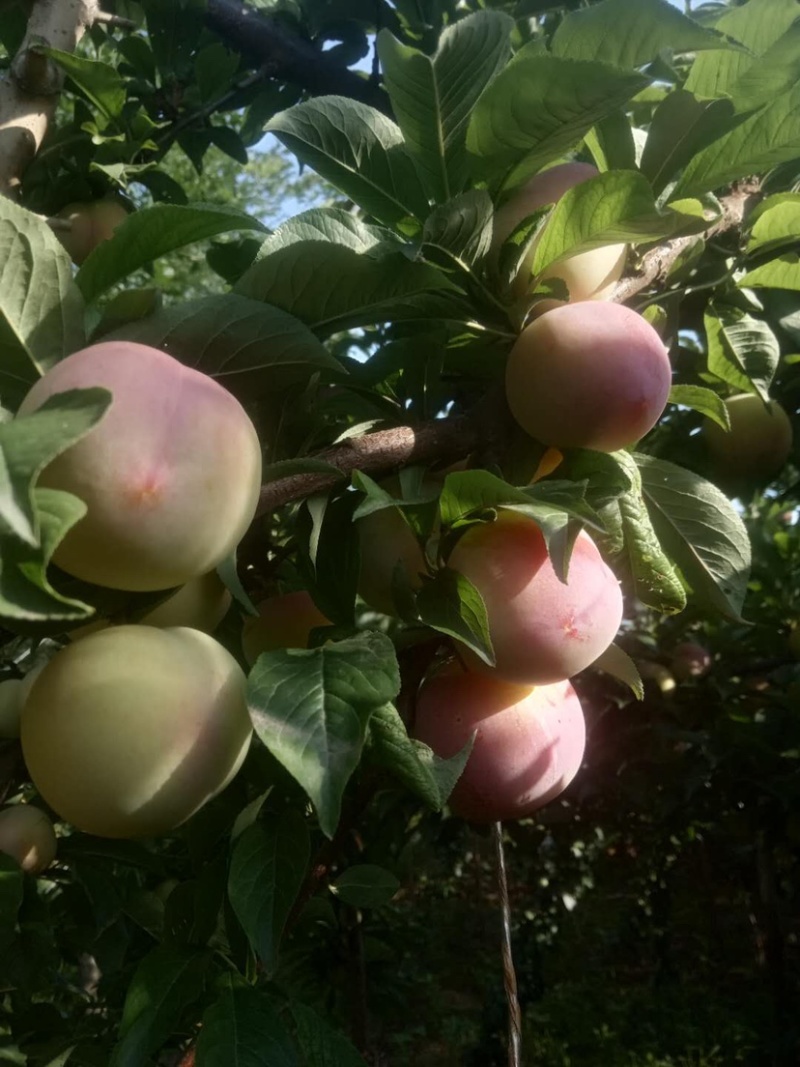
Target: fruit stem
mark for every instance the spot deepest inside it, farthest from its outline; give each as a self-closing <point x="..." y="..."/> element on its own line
<point x="509" y="974"/>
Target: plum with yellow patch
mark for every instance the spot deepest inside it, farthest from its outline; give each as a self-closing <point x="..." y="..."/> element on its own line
<point x="170" y="476"/>
<point x="129" y="731"/>
<point x="27" y="835"/>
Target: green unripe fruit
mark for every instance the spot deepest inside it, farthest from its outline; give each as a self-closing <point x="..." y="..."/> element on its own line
<point x="27" y="835"/>
<point x="129" y="731"/>
<point x="91" y="223"/>
<point x="171" y="475"/>
<point x="757" y="446"/>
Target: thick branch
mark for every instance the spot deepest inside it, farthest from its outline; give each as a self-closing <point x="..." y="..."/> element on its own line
<point x="657" y="262"/>
<point x="446" y="440"/>
<point x="29" y="92"/>
<point x="285" y="56"/>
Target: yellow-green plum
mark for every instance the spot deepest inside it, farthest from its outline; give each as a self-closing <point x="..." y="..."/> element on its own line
<point x="386" y="539"/>
<point x="170" y="475"/>
<point x="588" y="275"/>
<point x="757" y="446"/>
<point x="27" y="835"/>
<point x="129" y="731"/>
<point x="542" y="629"/>
<point x="283" y="621"/>
<point x="588" y="375"/>
<point x="529" y="742"/>
<point x="201" y="605"/>
<point x="13" y="694"/>
<point x="690" y="660"/>
<point x="91" y="222"/>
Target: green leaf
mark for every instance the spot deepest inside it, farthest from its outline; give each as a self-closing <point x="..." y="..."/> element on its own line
<point x="701" y="531"/>
<point x="311" y="708"/>
<point x="775" y="222"/>
<point x="611" y="142"/>
<point x="757" y="25"/>
<point x="365" y="886"/>
<point x="433" y="96"/>
<point x="332" y="224"/>
<point x="29" y="442"/>
<point x="12" y="884"/>
<point x="616" y="662"/>
<point x="451" y="604"/>
<point x="359" y="151"/>
<point x="152" y="232"/>
<point x="706" y="401"/>
<point x="165" y="983"/>
<point x="268" y="865"/>
<point x="25" y="592"/>
<point x="462" y="227"/>
<point x="41" y="310"/>
<point x="613" y="208"/>
<point x="243" y="1029"/>
<point x="742" y="350"/>
<point x="321" y="1045"/>
<point x="780" y="273"/>
<point x="775" y="72"/>
<point x="681" y="126"/>
<point x="763" y="140"/>
<point x="214" y="68"/>
<point x="99" y="82"/>
<point x="331" y="288"/>
<point x="654" y="578"/>
<point x="629" y="34"/>
<point x="538" y="108"/>
<point x="413" y="763"/>
<point x="230" y="337"/>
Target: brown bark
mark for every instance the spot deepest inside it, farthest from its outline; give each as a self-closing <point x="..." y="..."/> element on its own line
<point x="29" y="92"/>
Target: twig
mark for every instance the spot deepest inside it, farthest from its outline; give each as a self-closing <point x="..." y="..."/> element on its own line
<point x="108" y="19"/>
<point x="657" y="262"/>
<point x="286" y="56"/>
<point x="509" y="974"/>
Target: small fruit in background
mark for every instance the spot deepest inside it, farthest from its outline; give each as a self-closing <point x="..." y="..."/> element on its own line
<point x="13" y="694"/>
<point x="283" y="621"/>
<point x="588" y="376"/>
<point x="588" y="275"/>
<point x="690" y="660"/>
<point x="129" y="731"/>
<point x="757" y="446"/>
<point x="386" y="539"/>
<point x="656" y="673"/>
<point x="171" y="475"/>
<point x="91" y="222"/>
<point x="542" y="629"/>
<point x="528" y="746"/>
<point x="27" y="835"/>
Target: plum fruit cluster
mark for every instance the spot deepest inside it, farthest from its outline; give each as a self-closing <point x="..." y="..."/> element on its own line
<point x="130" y="729"/>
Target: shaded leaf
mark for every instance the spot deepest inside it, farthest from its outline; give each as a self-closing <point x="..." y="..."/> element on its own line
<point x="311" y="708"/>
<point x="322" y="1046"/>
<point x="41" y="310"/>
<point x="99" y="82"/>
<point x="242" y="1028"/>
<point x="268" y="864"/>
<point x="365" y="886"/>
<point x="702" y="532"/>
<point x="616" y="662"/>
<point x="451" y="604"/>
<point x="167" y="981"/>
<point x="742" y="350"/>
<point x="706" y="401"/>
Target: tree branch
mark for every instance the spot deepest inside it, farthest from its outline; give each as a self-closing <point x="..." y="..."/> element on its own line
<point x="29" y="92"/>
<point x="446" y="440"/>
<point x="286" y="56"/>
<point x="657" y="262"/>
